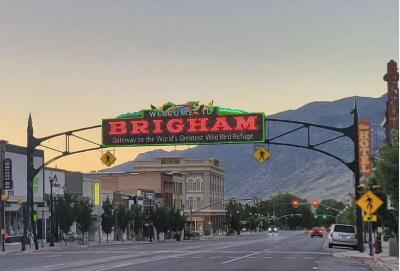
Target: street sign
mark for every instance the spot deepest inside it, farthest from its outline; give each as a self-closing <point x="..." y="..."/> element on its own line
<point x="261" y="154"/>
<point x="108" y="159"/>
<point x="370" y="218"/>
<point x="369" y="202"/>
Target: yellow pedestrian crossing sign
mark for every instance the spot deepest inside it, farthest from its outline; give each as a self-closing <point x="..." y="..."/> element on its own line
<point x="108" y="158"/>
<point x="370" y="218"/>
<point x="369" y="202"/>
<point x="261" y="154"/>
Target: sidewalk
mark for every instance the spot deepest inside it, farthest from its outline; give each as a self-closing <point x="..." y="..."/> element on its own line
<point x="382" y="260"/>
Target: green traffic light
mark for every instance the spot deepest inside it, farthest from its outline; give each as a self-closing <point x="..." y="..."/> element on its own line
<point x="324" y="216"/>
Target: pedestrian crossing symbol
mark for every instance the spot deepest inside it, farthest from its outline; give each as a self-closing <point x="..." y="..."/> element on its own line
<point x="261" y="154"/>
<point x="108" y="159"/>
<point x="369" y="202"/>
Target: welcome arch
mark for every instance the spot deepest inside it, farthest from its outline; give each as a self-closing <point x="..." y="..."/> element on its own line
<point x="190" y="123"/>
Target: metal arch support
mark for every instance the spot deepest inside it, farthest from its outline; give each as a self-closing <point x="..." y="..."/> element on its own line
<point x="348" y="164"/>
<point x="345" y="132"/>
<point x="32" y="144"/>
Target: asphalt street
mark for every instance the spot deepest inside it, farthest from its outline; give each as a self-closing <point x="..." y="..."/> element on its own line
<point x="285" y="250"/>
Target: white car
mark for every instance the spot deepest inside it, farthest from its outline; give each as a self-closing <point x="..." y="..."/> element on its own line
<point x="343" y="235"/>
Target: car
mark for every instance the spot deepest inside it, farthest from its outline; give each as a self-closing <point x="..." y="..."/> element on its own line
<point x="272" y="229"/>
<point x="343" y="235"/>
<point x="317" y="231"/>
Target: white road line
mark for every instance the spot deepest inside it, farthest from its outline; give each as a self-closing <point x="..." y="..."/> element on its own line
<point x="216" y="257"/>
<point x="289" y="257"/>
<point x="321" y="268"/>
<point x="269" y="257"/>
<point x="308" y="258"/>
<point x="239" y="258"/>
<point x="197" y="257"/>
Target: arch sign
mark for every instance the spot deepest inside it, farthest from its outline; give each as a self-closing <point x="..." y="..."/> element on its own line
<point x="189" y="123"/>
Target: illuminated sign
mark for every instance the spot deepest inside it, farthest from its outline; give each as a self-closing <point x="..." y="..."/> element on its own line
<point x="96" y="194"/>
<point x="364" y="147"/>
<point x="188" y="123"/>
<point x="7" y="171"/>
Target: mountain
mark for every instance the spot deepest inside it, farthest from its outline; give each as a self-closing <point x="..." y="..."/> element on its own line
<point x="307" y="173"/>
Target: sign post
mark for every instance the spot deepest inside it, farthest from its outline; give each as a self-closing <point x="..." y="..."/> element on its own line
<point x="370" y="203"/>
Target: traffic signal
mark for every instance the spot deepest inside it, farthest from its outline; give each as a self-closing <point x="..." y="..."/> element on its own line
<point x="315" y="216"/>
<point x="324" y="216"/>
<point x="295" y="203"/>
<point x="314" y="203"/>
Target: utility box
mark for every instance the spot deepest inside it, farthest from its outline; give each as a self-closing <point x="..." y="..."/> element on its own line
<point x="393" y="248"/>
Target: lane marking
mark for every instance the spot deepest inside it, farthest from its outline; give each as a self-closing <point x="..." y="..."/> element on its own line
<point x="308" y="258"/>
<point x="239" y="258"/>
<point x="289" y="257"/>
<point x="269" y="257"/>
<point x="321" y="268"/>
<point x="216" y="257"/>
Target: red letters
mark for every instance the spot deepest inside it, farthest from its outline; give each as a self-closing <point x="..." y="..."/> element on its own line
<point x="175" y="125"/>
<point x="197" y="125"/>
<point x="243" y="124"/>
<point x="139" y="127"/>
<point x="117" y="127"/>
<point x="221" y="125"/>
<point x="157" y="127"/>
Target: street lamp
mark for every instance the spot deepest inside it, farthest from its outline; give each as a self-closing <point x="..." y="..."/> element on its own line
<point x="52" y="179"/>
<point x="150" y="197"/>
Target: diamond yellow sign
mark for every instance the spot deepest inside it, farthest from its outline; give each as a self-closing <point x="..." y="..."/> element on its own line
<point x="108" y="158"/>
<point x="261" y="154"/>
<point x="369" y="202"/>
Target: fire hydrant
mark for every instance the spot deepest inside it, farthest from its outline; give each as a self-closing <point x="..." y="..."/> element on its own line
<point x="378" y="244"/>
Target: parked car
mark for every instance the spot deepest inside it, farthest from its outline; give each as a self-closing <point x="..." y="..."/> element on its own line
<point x="317" y="231"/>
<point x="343" y="235"/>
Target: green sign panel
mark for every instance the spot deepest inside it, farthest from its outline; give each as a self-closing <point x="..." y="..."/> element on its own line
<point x="189" y="123"/>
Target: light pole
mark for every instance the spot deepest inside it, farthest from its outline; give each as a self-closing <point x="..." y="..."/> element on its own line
<point x="150" y="197"/>
<point x="51" y="209"/>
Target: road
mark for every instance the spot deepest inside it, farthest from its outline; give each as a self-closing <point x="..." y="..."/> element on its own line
<point x="286" y="250"/>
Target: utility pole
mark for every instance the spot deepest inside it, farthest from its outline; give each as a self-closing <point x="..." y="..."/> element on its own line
<point x="360" y="245"/>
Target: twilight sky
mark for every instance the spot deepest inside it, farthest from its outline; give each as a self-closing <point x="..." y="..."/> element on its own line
<point x="72" y="63"/>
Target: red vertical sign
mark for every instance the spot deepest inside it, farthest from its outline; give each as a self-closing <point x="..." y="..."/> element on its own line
<point x="364" y="147"/>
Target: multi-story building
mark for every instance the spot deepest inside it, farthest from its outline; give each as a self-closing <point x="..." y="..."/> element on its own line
<point x="204" y="189"/>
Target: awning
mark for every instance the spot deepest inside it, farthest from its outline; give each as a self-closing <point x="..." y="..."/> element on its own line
<point x="13" y="207"/>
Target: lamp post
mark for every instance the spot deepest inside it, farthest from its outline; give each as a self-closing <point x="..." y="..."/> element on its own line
<point x="52" y="179"/>
<point x="150" y="197"/>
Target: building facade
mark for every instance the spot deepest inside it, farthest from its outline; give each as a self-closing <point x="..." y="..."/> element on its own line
<point x="203" y="190"/>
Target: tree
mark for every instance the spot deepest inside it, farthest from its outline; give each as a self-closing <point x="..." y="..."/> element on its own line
<point x="138" y="219"/>
<point x="348" y="215"/>
<point x="234" y="212"/>
<point x="177" y="222"/>
<point x="329" y="213"/>
<point x="387" y="175"/>
<point x="122" y="216"/>
<point x="160" y="219"/>
<point x="83" y="210"/>
<point x="107" y="218"/>
<point x="65" y="213"/>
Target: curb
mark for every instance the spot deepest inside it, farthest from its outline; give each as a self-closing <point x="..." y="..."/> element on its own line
<point x="370" y="261"/>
